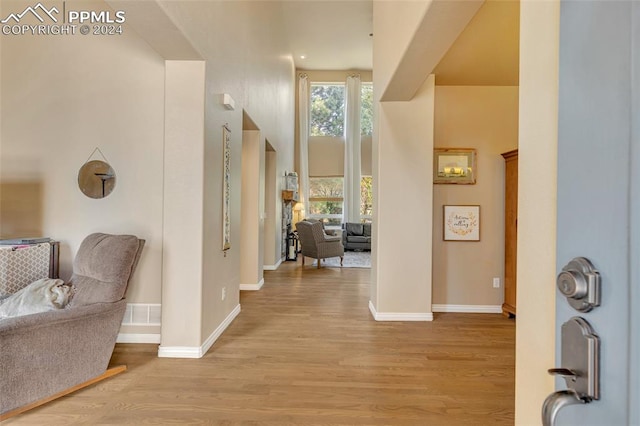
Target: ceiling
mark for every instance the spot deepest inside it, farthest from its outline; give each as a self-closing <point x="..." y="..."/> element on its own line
<point x="487" y="52"/>
<point x="331" y="35"/>
<point x="334" y="35"/>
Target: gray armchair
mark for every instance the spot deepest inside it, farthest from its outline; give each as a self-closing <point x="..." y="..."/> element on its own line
<point x="47" y="355"/>
<point x="317" y="244"/>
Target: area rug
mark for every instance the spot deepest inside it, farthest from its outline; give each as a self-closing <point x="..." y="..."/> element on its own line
<point x="352" y="259"/>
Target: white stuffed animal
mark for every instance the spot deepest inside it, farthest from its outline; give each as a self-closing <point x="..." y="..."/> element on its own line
<point x="43" y="295"/>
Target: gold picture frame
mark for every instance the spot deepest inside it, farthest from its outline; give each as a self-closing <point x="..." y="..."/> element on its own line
<point x="454" y="166"/>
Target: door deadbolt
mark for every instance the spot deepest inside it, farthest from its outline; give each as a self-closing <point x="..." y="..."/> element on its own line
<point x="579" y="282"/>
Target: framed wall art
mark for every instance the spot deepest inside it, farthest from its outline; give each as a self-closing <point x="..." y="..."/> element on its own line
<point x="226" y="187"/>
<point x="454" y="165"/>
<point x="461" y="223"/>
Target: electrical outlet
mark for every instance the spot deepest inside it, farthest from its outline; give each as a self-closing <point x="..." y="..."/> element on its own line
<point x="496" y="282"/>
<point x="224" y="293"/>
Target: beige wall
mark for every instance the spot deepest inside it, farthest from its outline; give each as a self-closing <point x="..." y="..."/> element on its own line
<point x="21" y="208"/>
<point x="272" y="199"/>
<point x="183" y="216"/>
<point x="243" y="54"/>
<point x="402" y="167"/>
<point x="538" y="135"/>
<point x="484" y="118"/>
<point x="394" y="26"/>
<point x="63" y="96"/>
<point x="326" y="156"/>
<point x="109" y="92"/>
<point x="252" y="230"/>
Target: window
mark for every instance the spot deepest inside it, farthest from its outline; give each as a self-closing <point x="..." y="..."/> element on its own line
<point x="366" y="109"/>
<point x="366" y="198"/>
<point x="327" y="110"/>
<point x="326" y="199"/>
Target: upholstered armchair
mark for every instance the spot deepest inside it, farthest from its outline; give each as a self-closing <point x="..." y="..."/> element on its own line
<point x="47" y="355"/>
<point x="317" y="244"/>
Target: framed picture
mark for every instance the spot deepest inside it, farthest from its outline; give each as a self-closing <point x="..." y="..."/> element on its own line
<point x="226" y="188"/>
<point x="454" y="165"/>
<point x="461" y="223"/>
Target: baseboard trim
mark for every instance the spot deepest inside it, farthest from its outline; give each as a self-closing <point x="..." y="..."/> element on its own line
<point x="137" y="338"/>
<point x="468" y="309"/>
<point x="252" y="287"/>
<point x="198" y="351"/>
<point x="272" y="267"/>
<point x="399" y="316"/>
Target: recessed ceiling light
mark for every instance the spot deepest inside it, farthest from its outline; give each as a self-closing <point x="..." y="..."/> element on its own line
<point x="303" y="56"/>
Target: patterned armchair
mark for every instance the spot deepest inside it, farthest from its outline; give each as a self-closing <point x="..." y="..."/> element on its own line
<point x="317" y="244"/>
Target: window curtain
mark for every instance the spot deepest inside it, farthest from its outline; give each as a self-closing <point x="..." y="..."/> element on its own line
<point x="303" y="138"/>
<point x="351" y="209"/>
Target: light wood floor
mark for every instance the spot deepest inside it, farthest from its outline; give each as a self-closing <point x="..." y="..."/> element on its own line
<point x="305" y="351"/>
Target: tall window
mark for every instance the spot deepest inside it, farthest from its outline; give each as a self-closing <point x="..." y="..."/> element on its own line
<point x="327" y="118"/>
<point x="326" y="199"/>
<point x="327" y="110"/>
<point x="366" y="198"/>
<point x="366" y="109"/>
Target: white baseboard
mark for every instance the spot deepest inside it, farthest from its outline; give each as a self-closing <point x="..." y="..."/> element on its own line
<point x="138" y="338"/>
<point x="252" y="287"/>
<point x="469" y="309"/>
<point x="272" y="267"/>
<point x="399" y="316"/>
<point x="198" y="351"/>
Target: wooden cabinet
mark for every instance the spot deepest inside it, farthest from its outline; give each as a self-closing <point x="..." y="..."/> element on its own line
<point x="510" y="232"/>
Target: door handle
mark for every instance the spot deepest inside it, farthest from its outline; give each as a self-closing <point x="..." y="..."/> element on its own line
<point x="555" y="402"/>
<point x="580" y="371"/>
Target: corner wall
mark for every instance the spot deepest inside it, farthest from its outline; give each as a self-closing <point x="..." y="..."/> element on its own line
<point x="402" y="168"/>
<point x="538" y="135"/>
<point x="243" y="54"/>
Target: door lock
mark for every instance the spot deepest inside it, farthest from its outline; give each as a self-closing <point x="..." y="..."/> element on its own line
<point x="579" y="282"/>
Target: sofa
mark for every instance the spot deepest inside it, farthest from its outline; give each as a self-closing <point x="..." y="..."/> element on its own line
<point x="49" y="354"/>
<point x="356" y="236"/>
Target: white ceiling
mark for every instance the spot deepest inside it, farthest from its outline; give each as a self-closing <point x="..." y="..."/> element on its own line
<point x="332" y="35"/>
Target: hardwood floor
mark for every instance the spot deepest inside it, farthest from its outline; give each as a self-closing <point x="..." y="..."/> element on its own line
<point x="306" y="351"/>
